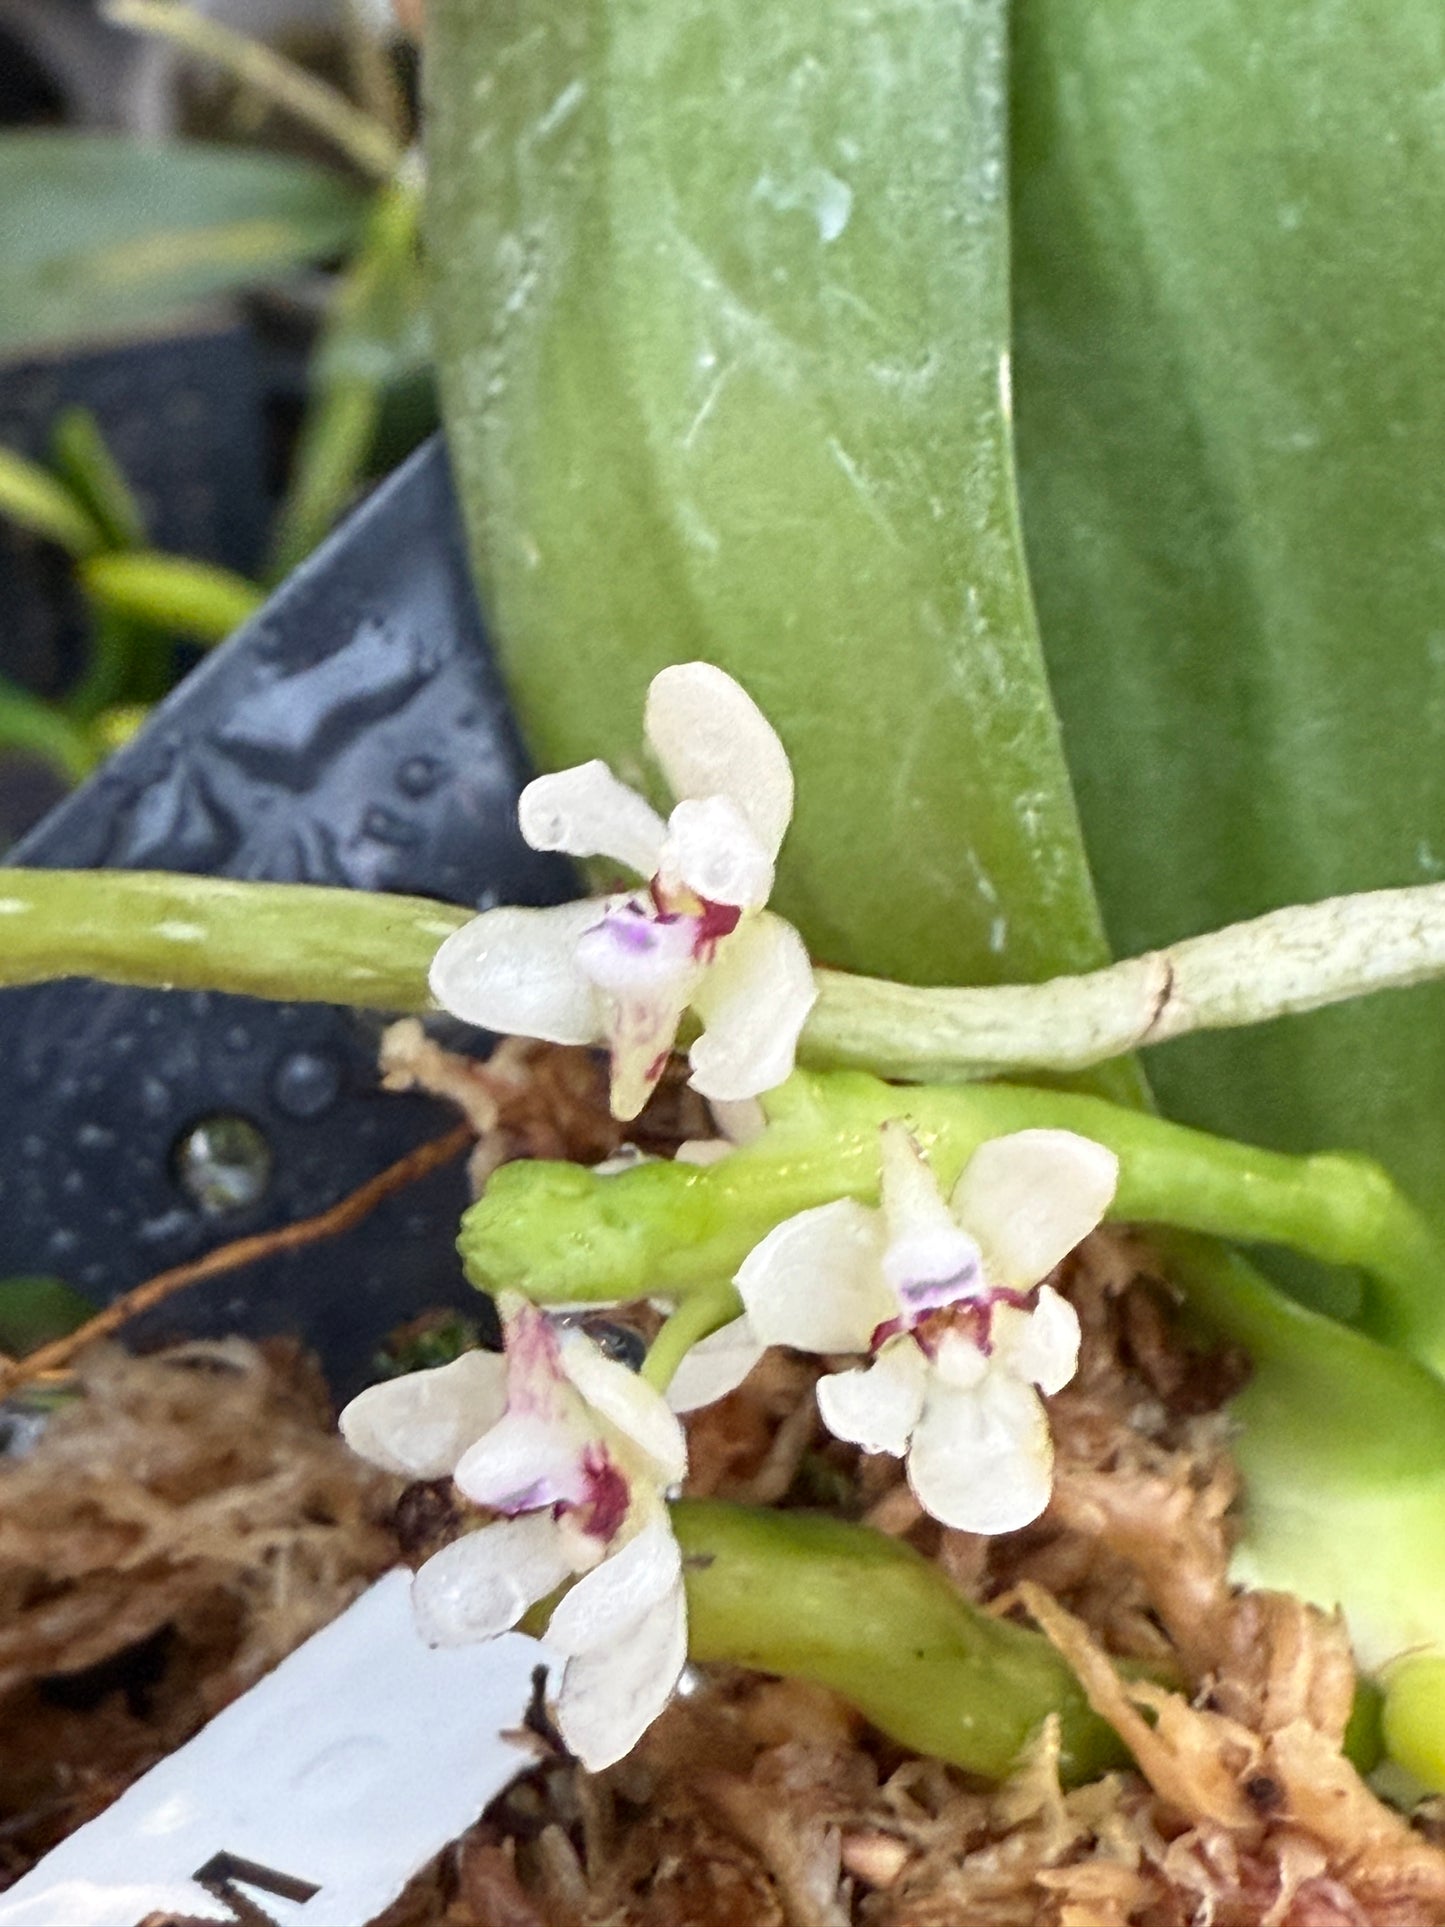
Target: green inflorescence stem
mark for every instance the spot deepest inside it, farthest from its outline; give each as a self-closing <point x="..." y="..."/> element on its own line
<point x="700" y="1313"/>
<point x="845" y="1606"/>
<point x="562" y="1233"/>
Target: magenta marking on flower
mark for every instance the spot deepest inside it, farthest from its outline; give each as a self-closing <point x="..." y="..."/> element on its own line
<point x="657" y="1066"/>
<point x="534" y="1363"/>
<point x="968" y="1317"/>
<point x="718" y="920"/>
<point x="607" y="1497"/>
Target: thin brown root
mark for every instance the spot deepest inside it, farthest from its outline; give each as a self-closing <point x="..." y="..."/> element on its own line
<point x="411" y="1169"/>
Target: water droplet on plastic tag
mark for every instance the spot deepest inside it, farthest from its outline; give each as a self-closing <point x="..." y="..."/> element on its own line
<point x="306" y="1084"/>
<point x="223" y="1164"/>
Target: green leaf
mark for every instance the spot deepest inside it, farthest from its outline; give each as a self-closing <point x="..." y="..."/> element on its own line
<point x="375" y="335"/>
<point x="171" y="592"/>
<point x="722" y="317"/>
<point x="35" y="1310"/>
<point x="83" y="460"/>
<point x="43" y="506"/>
<point x="35" y="727"/>
<point x="1232" y="436"/>
<point x="100" y="234"/>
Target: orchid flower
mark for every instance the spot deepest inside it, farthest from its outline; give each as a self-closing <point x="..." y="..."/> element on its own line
<point x="622" y="969"/>
<point x="576" y="1453"/>
<point x="947" y="1301"/>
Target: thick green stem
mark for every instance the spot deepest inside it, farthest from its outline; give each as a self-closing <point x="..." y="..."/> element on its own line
<point x="566" y="1235"/>
<point x="289" y="941"/>
<point x="817" y="1599"/>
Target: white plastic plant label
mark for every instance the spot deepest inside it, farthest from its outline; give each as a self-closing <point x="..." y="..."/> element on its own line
<point x="315" y="1797"/>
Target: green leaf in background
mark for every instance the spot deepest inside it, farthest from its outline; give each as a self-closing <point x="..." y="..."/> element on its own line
<point x="723" y="321"/>
<point x="42" y="505"/>
<point x="198" y="600"/>
<point x="87" y="467"/>
<point x="100" y="234"/>
<point x="376" y="335"/>
<point x="35" y="1310"/>
<point x="1229" y="263"/>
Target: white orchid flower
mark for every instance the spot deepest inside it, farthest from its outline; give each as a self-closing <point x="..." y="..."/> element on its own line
<point x="947" y="1300"/>
<point x="576" y="1452"/>
<point x="622" y="969"/>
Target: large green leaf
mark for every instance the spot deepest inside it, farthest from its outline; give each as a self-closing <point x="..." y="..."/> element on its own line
<point x="100" y="234"/>
<point x="1230" y="255"/>
<point x="722" y="311"/>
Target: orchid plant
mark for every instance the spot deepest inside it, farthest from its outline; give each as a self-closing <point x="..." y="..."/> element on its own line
<point x="907" y="1232"/>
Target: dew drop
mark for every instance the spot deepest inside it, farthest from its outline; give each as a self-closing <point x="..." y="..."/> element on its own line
<point x="306" y="1084"/>
<point x="223" y="1163"/>
<point x="385" y="826"/>
<point x="418" y="776"/>
<point x="154" y="1096"/>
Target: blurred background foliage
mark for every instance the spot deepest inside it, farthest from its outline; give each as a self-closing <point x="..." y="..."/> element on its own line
<point x="213" y="336"/>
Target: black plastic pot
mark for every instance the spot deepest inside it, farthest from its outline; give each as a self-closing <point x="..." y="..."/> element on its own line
<point x="353" y="733"/>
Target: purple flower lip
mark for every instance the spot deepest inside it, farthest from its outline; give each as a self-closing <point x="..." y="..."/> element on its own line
<point x="629" y="927"/>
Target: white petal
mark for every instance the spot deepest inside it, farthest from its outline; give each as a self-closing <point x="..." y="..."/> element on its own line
<point x="480" y="1585"/>
<point x="715" y="1366"/>
<point x="626" y="1402"/>
<point x="605" y="1601"/>
<point x="701" y="1150"/>
<point x="420" y="1425"/>
<point x="516" y="972"/>
<point x="524" y="1462"/>
<point x="712" y="740"/>
<point x="753" y="999"/>
<point x="1039" y="1346"/>
<point x="611" y="1696"/>
<point x="982" y="1460"/>
<point x="711" y="848"/>
<point x="586" y="812"/>
<point x="815" y="1281"/>
<point x="929" y="1259"/>
<point x="741" y="1120"/>
<point x="1030" y="1197"/>
<point x="878" y="1406"/>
